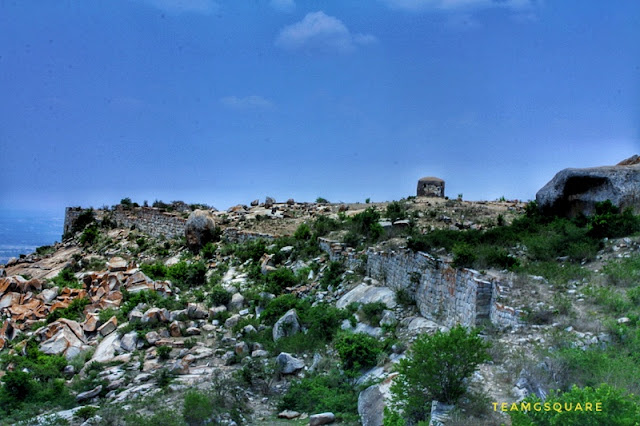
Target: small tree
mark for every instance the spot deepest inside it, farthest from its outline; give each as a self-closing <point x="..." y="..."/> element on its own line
<point x="436" y="368"/>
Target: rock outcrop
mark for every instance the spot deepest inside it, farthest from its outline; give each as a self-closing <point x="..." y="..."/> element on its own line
<point x="575" y="191"/>
<point x="199" y="229"/>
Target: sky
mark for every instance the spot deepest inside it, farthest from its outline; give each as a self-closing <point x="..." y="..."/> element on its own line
<point x="223" y="102"/>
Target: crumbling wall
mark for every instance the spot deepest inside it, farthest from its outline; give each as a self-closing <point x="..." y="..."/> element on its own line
<point x="442" y="293"/>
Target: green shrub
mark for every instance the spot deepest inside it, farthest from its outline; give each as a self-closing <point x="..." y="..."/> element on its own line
<point x="89" y="235"/>
<point x="609" y="222"/>
<point x="463" y="255"/>
<point x="72" y="312"/>
<point x="86" y="412"/>
<point x="219" y="296"/>
<point x="436" y="368"/>
<point x="324" y="224"/>
<point x="322" y="200"/>
<point x="303" y="232"/>
<point x="357" y="351"/>
<point x="277" y="281"/>
<point x="208" y="251"/>
<point x="323" y="392"/>
<point x="396" y="210"/>
<point x="373" y="312"/>
<point x="197" y="408"/>
<point x="84" y="219"/>
<point x="187" y="275"/>
<point x="322" y="321"/>
<point x="331" y="275"/>
<point x="155" y="271"/>
<point x="280" y="305"/>
<point x="66" y="278"/>
<point x="403" y="297"/>
<point x="163" y="352"/>
<point x="615" y="408"/>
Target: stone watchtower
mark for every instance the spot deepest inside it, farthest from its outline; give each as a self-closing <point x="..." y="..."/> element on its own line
<point x="430" y="187"/>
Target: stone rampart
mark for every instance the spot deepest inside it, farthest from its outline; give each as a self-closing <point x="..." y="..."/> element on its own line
<point x="442" y="293"/>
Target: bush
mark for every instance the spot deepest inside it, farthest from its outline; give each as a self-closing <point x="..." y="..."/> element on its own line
<point x="323" y="225"/>
<point x="84" y="219"/>
<point x="186" y="275"/>
<point x="280" y="305"/>
<point x="72" y="312"/>
<point x="277" y="281"/>
<point x="331" y="275"/>
<point x="616" y="409"/>
<point x="163" y="352"/>
<point x="219" y="296"/>
<point x="436" y="368"/>
<point x="303" y="232"/>
<point x="373" y="312"/>
<point x="89" y="235"/>
<point x="197" y="408"/>
<point x="66" y="278"/>
<point x="396" y="211"/>
<point x="463" y="255"/>
<point x="322" y="200"/>
<point x="357" y="351"/>
<point x="324" y="392"/>
<point x="155" y="271"/>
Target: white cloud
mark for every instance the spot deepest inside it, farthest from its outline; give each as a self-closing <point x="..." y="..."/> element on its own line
<point x="318" y="32"/>
<point x="185" y="6"/>
<point x="456" y="5"/>
<point x="247" y="102"/>
<point x="283" y="5"/>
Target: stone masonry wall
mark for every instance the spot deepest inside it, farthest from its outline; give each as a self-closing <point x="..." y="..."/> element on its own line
<point x="442" y="293"/>
<point x="154" y="222"/>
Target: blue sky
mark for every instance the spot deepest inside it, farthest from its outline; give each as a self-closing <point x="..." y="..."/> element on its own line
<point x="224" y="101"/>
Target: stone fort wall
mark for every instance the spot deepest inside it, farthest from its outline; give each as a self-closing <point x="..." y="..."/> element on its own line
<point x="444" y="294"/>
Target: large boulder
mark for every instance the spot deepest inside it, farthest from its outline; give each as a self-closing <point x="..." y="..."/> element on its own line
<point x="365" y="293"/>
<point x="199" y="229"/>
<point x="575" y="191"/>
<point x="287" y="325"/>
<point x="372" y="400"/>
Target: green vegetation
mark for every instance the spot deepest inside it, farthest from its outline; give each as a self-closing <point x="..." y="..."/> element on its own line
<point x="321" y="200"/>
<point x="570" y="408"/>
<point x="363" y="227"/>
<point x="66" y="278"/>
<point x="72" y="312"/>
<point x="24" y="394"/>
<point x="357" y="351"/>
<point x="373" y="312"/>
<point x="182" y="274"/>
<point x="163" y="352"/>
<point x="319" y="393"/>
<point x="396" y="210"/>
<point x="545" y="238"/>
<point x="332" y="274"/>
<point x="436" y="368"/>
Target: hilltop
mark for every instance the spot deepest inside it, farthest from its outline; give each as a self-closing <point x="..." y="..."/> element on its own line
<point x="249" y="316"/>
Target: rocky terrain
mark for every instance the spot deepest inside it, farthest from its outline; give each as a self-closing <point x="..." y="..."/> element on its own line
<point x="243" y="317"/>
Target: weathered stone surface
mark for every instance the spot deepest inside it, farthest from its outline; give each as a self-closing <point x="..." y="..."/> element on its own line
<point x="440" y="413"/>
<point x="288" y="414"/>
<point x="107" y="348"/>
<point x="89" y="394"/>
<point x="237" y="302"/>
<point x="321" y="419"/>
<point x="430" y="187"/>
<point x="199" y="229"/>
<point x="174" y="329"/>
<point x="365" y="293"/>
<point x="197" y="311"/>
<point x="575" y="191"/>
<point x="287" y="325"/>
<point x="116" y="264"/>
<point x="108" y="327"/>
<point x="288" y="364"/>
<point x="129" y="341"/>
<point x="372" y="400"/>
